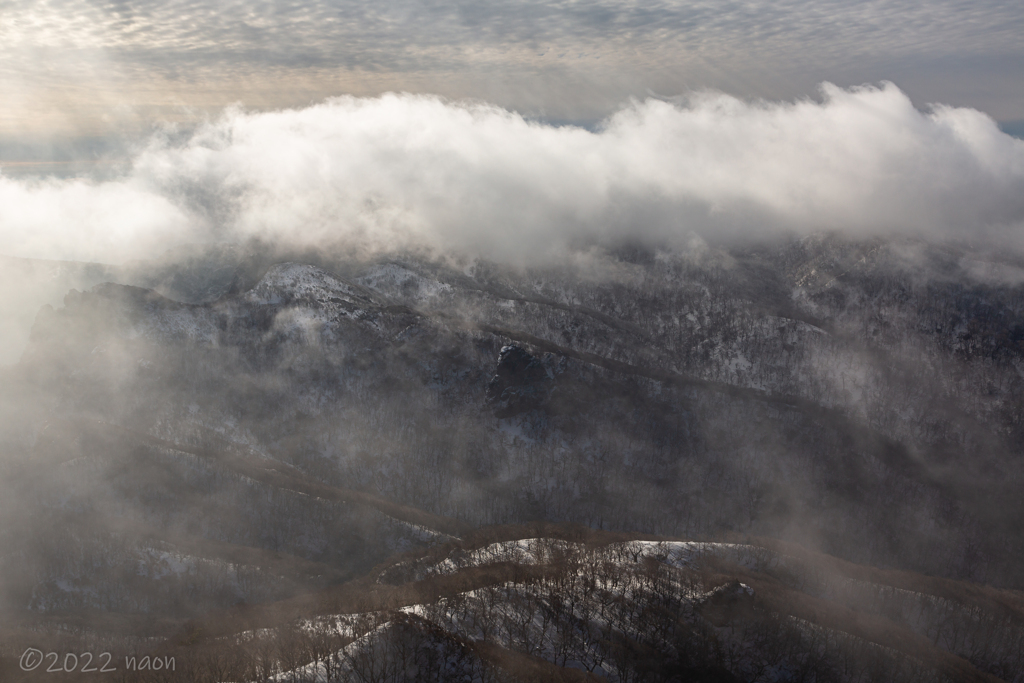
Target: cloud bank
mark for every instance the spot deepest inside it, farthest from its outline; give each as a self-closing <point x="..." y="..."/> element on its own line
<point x="417" y="171"/>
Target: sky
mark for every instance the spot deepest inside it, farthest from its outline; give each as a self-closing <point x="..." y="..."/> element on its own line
<point x="74" y="73"/>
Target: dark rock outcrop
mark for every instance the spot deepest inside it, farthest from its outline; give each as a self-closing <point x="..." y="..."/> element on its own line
<point x="521" y="382"/>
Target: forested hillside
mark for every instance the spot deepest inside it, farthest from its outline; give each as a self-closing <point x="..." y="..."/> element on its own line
<point x="795" y="461"/>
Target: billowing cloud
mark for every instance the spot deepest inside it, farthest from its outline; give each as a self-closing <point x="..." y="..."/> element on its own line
<point x="405" y="170"/>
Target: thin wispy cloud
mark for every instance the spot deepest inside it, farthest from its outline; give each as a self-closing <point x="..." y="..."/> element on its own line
<point x="529" y="55"/>
<point x="291" y="32"/>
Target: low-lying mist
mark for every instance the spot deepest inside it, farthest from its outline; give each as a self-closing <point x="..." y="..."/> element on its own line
<point x="403" y="171"/>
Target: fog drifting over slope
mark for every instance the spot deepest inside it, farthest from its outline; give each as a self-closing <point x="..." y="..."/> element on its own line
<point x="406" y="171"/>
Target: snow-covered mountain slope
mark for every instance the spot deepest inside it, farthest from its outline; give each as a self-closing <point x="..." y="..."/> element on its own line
<point x="549" y="608"/>
<point x="860" y="399"/>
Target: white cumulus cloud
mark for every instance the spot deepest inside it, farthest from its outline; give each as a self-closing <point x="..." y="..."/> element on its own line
<point x="406" y="170"/>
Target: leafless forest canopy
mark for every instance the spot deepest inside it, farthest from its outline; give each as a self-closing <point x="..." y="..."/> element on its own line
<point x="797" y="460"/>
